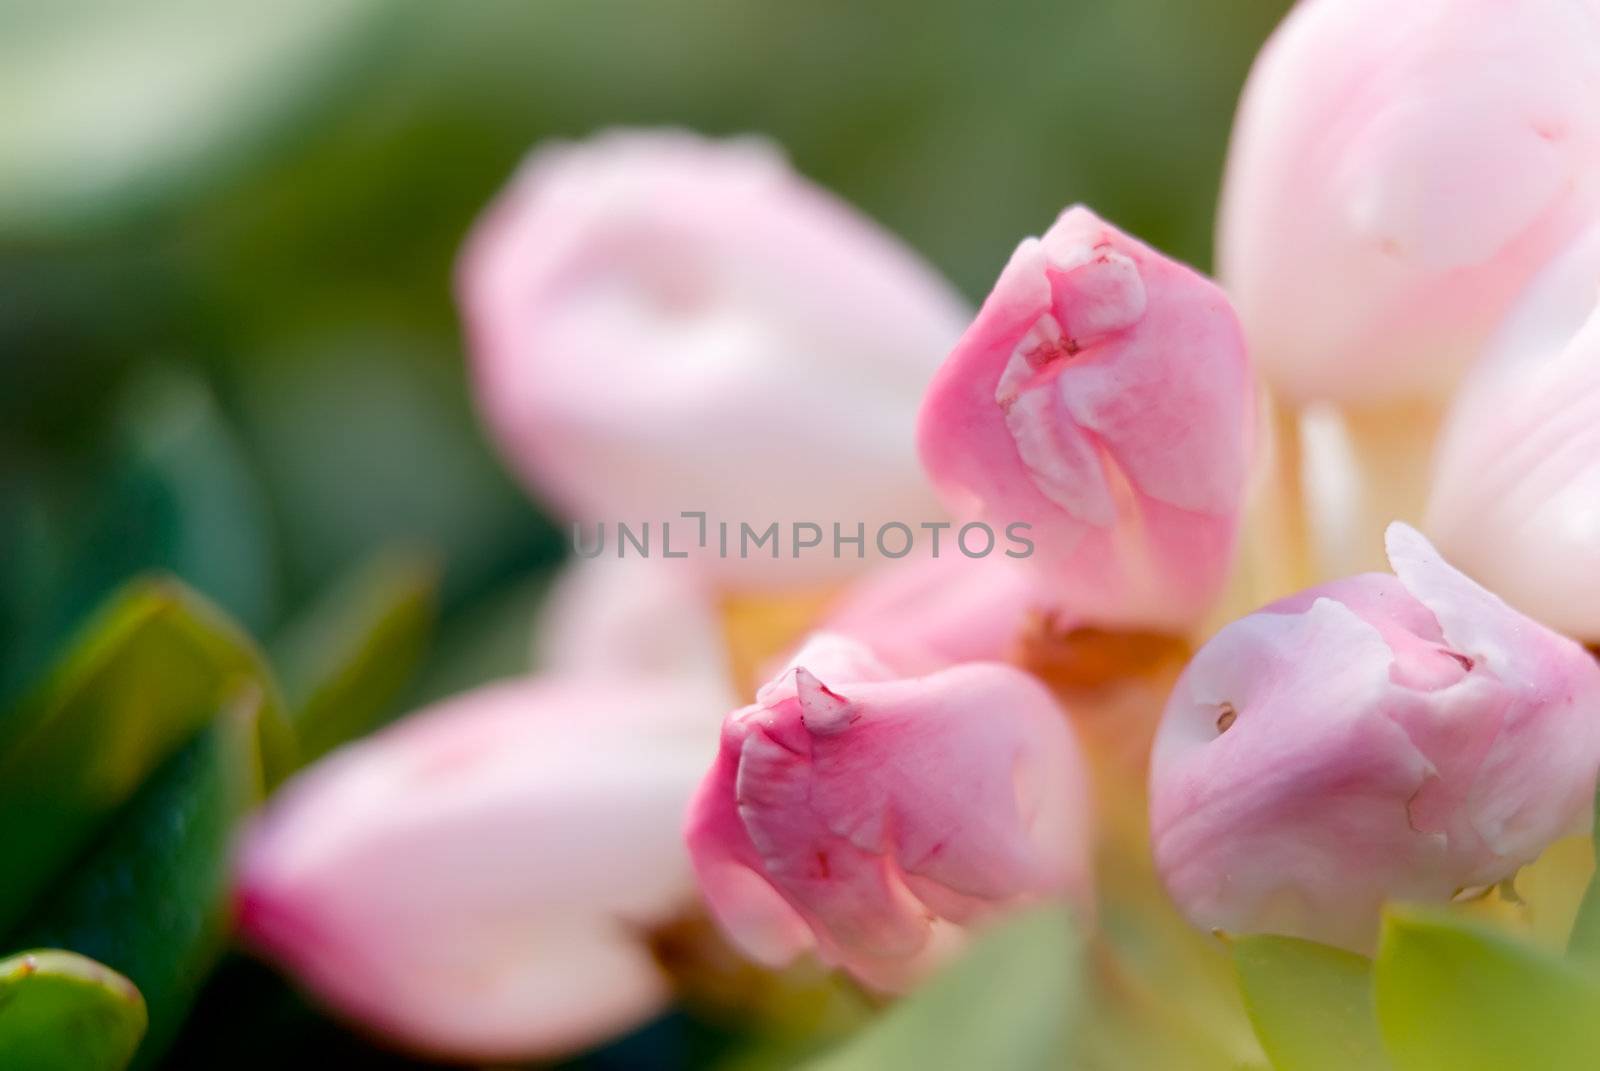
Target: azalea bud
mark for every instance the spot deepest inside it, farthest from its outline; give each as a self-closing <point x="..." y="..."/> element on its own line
<point x="924" y="614"/>
<point x="1102" y="397"/>
<point x="661" y="323"/>
<point x="871" y="817"/>
<point x="1398" y="171"/>
<point x="1517" y="474"/>
<point x="630" y="618"/>
<point x="477" y="881"/>
<point x="1380" y="737"/>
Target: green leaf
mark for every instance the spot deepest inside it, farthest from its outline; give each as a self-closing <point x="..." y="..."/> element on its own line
<point x="1456" y="995"/>
<point x="185" y="469"/>
<point x="143" y="678"/>
<point x="117" y="109"/>
<point x="1311" y="1004"/>
<point x="172" y="492"/>
<point x="1164" y="995"/>
<point x="150" y="898"/>
<point x="345" y="664"/>
<point x="1008" y="1003"/>
<point x="62" y="1012"/>
<point x="1584" y="943"/>
<point x="366" y="437"/>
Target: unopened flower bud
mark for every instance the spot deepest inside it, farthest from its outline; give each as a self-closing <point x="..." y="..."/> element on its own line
<point x="1103" y="397"/>
<point x="1515" y="497"/>
<point x="1379" y="737"/>
<point x="1398" y="172"/>
<point x="662" y="324"/>
<point x="632" y="618"/>
<point x="928" y="613"/>
<point x="871" y="818"/>
<point x="478" y="881"/>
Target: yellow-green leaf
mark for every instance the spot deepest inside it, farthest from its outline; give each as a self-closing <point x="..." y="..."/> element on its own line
<point x="350" y="658"/>
<point x="62" y="1012"/>
<point x="1311" y="1005"/>
<point x="150" y="897"/>
<point x="1457" y="996"/>
<point x="147" y="674"/>
<point x="1008" y="1003"/>
<point x="1584" y="943"/>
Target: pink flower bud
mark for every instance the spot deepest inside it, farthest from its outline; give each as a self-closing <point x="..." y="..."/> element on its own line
<point x="1379" y="737"/>
<point x="1102" y="397"/>
<point x="661" y="323"/>
<point x="1397" y="173"/>
<point x="924" y="614"/>
<point x="630" y="618"/>
<point x="1516" y="489"/>
<point x="871" y="817"/>
<point x="477" y="881"/>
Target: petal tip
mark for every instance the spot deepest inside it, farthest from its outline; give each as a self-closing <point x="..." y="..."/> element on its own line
<point x="823" y="711"/>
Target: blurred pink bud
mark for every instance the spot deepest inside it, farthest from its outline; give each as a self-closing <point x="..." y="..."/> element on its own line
<point x="633" y="617"/>
<point x="477" y="882"/>
<point x="1516" y="490"/>
<point x="1103" y="397"/>
<point x="1397" y="173"/>
<point x="871" y="817"/>
<point x="662" y="323"/>
<point x="924" y="614"/>
<point x="1379" y="737"/>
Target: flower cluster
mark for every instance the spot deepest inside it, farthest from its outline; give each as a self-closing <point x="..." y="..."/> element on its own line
<point x="666" y="326"/>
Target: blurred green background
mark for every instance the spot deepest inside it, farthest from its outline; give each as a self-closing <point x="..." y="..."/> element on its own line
<point x="228" y="346"/>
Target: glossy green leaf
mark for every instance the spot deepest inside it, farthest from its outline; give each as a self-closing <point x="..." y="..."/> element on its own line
<point x="173" y="492"/>
<point x="1459" y="996"/>
<point x="150" y="897"/>
<point x="367" y="438"/>
<point x="347" y="662"/>
<point x="1584" y="943"/>
<point x="1008" y="1003"/>
<point x="1311" y="1005"/>
<point x="143" y="678"/>
<point x="185" y="466"/>
<point x="60" y="1011"/>
<point x="113" y="109"/>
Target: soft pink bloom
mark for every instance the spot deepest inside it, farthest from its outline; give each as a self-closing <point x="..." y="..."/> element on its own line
<point x="662" y="323"/>
<point x="1379" y="737"/>
<point x="1398" y="171"/>
<point x="1516" y="490"/>
<point x="927" y="613"/>
<point x="870" y="817"/>
<point x="478" y="881"/>
<point x="1103" y="397"/>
